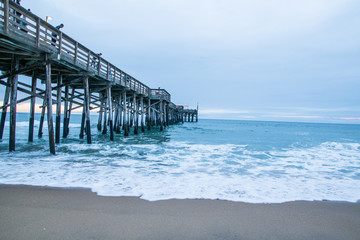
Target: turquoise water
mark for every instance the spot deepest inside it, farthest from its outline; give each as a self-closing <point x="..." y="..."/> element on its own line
<point x="247" y="161"/>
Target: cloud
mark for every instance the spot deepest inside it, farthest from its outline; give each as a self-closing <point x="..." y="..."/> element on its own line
<point x="204" y="23"/>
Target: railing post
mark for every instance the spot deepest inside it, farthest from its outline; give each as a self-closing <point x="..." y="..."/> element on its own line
<point x="60" y="43"/>
<point x="107" y="71"/>
<point x="38" y="32"/>
<point x="6" y="16"/>
<point x="76" y="52"/>
<point x="88" y="62"/>
<point x="99" y="65"/>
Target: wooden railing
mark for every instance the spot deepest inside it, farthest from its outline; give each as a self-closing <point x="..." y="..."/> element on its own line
<point x="160" y="94"/>
<point x="35" y="31"/>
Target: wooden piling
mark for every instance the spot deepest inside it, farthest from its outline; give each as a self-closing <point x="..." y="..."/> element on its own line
<point x="126" y="130"/>
<point x="104" y="131"/>
<point x="87" y="108"/>
<point x="13" y="100"/>
<point x="119" y="120"/>
<point x="167" y="114"/>
<point x="58" y="109"/>
<point x="99" y="125"/>
<point x="42" y="116"/>
<point x="131" y="112"/>
<point x="69" y="113"/>
<point x="32" y="108"/>
<point x="135" y="114"/>
<point x="66" y="110"/>
<point x="116" y="114"/>
<point x="148" y="116"/>
<point x="82" y="124"/>
<point x="161" y="115"/>
<point x="49" y="108"/>
<point x="142" y="113"/>
<point x="110" y="114"/>
<point x="4" y="110"/>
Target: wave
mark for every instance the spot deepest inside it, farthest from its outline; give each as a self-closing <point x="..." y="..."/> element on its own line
<point x="330" y="170"/>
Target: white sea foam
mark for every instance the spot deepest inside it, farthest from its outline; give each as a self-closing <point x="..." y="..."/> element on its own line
<point x="181" y="170"/>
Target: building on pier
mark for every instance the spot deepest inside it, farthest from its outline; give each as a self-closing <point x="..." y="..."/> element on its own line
<point x="72" y="77"/>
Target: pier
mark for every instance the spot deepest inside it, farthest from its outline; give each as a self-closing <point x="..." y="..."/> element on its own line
<point x="67" y="75"/>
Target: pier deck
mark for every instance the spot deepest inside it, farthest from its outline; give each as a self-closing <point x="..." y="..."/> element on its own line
<point x="71" y="77"/>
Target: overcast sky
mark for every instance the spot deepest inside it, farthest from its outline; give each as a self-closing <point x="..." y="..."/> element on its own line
<point x="285" y="60"/>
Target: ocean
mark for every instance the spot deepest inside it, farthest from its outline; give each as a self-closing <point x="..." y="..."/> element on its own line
<point x="248" y="161"/>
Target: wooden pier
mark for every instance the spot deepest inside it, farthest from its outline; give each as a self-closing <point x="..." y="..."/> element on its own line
<point x="69" y="76"/>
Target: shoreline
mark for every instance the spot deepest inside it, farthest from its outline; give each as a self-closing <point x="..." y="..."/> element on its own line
<point x="170" y="199"/>
<point x="31" y="212"/>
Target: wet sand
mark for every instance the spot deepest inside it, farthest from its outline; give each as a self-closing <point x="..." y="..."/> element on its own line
<point x="55" y="213"/>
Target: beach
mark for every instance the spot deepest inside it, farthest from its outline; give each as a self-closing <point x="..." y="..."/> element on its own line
<point x="28" y="212"/>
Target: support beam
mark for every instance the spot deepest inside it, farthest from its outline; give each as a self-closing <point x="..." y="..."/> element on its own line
<point x="42" y="116"/>
<point x="82" y="124"/>
<point x="148" y="122"/>
<point x="119" y="115"/>
<point x="136" y="116"/>
<point x="116" y="114"/>
<point x="87" y="109"/>
<point x="167" y="116"/>
<point x="58" y="110"/>
<point x="13" y="99"/>
<point x="66" y="111"/>
<point x="110" y="114"/>
<point x="69" y="114"/>
<point x="126" y="130"/>
<point x="142" y="113"/>
<point x="99" y="125"/>
<point x="32" y="108"/>
<point x="4" y="110"/>
<point x="49" y="108"/>
<point x="161" y="115"/>
<point x="105" y="114"/>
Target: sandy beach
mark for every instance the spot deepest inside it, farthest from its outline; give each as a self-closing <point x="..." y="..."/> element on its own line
<point x="54" y="213"/>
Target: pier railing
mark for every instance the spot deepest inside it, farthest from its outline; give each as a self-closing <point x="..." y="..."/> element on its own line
<point x="160" y="94"/>
<point x="27" y="27"/>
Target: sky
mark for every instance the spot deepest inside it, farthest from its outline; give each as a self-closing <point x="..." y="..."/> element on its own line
<point x="277" y="60"/>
